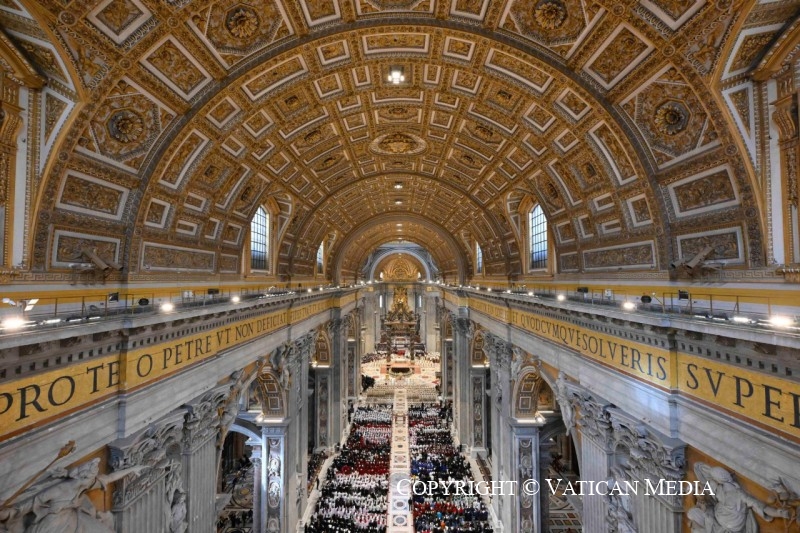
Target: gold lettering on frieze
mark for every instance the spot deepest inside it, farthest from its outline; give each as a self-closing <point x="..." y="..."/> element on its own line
<point x="646" y="362"/>
<point x="43" y="397"/>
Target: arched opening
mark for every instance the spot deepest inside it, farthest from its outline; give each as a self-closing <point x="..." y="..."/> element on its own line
<point x="557" y="458"/>
<point x="236" y="475"/>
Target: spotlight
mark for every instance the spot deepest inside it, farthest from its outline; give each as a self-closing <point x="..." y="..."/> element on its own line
<point x="309" y="290"/>
<point x="530" y="293"/>
<point x="780" y="321"/>
<point x="13" y="323"/>
<point x="235" y="299"/>
<point x="167" y="307"/>
<point x="94" y="258"/>
<point x="629" y="306"/>
<point x="561" y="297"/>
<point x="741" y="320"/>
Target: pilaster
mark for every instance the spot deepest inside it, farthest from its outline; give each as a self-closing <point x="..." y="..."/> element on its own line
<point x="643" y="454"/>
<point x="274" y="478"/>
<point x="199" y="458"/>
<point x="152" y="500"/>
<point x="594" y="425"/>
<point x="525" y="508"/>
<point x="463" y="329"/>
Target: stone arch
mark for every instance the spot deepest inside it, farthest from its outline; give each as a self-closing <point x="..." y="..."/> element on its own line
<point x="322" y="354"/>
<point x="477" y="354"/>
<point x="273" y="395"/>
<point x="532" y="394"/>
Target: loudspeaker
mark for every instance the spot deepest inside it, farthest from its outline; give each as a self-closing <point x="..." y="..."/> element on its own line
<point x="683" y="295"/>
<point x="213" y="291"/>
<point x="583" y="290"/>
<point x="646" y="299"/>
<point x="144" y="301"/>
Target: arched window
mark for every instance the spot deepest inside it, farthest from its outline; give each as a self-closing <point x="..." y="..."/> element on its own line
<point x="321" y="258"/>
<point x="478" y="259"/>
<point x="259" y="240"/>
<point x="537" y="235"/>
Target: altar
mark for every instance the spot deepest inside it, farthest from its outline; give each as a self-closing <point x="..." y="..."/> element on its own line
<point x="400" y="369"/>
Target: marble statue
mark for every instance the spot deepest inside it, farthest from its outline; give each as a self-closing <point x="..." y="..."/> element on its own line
<point x="230" y="410"/>
<point x="787" y="497"/>
<point x="516" y="362"/>
<point x="562" y="394"/>
<point x="730" y="509"/>
<point x="620" y="512"/>
<point x="175" y="508"/>
<point x="59" y="503"/>
<point x="177" y="522"/>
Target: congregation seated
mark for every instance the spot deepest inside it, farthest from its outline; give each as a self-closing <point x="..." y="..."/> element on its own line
<point x="354" y="497"/>
<point x="370" y="357"/>
<point x="435" y="457"/>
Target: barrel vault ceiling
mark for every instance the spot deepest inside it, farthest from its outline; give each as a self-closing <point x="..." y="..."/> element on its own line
<point x="165" y="123"/>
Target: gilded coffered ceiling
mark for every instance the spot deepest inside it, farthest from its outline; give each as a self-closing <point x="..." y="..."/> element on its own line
<point x="166" y="123"/>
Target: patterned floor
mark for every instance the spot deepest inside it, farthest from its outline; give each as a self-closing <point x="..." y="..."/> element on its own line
<point x="566" y="521"/>
<point x="563" y="516"/>
<point x="399" y="513"/>
<point x="237" y="517"/>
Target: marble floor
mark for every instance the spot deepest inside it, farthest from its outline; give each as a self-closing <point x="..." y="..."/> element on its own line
<point x="237" y="515"/>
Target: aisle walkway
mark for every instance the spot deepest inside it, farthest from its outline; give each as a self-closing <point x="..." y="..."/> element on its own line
<point x="400" y="520"/>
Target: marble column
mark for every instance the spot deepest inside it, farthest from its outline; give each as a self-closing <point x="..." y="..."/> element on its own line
<point x="478" y="393"/>
<point x="259" y="486"/>
<point x="643" y="453"/>
<point x="371" y="320"/>
<point x="200" y="459"/>
<point x="337" y="332"/>
<point x="148" y="501"/>
<point x="594" y="425"/>
<point x="297" y="453"/>
<point x="275" y="482"/>
<point x="525" y="507"/>
<point x="353" y="376"/>
<point x="322" y="397"/>
<point x="499" y="353"/>
<point x="429" y="318"/>
<point x="446" y="356"/>
<point x="463" y="329"/>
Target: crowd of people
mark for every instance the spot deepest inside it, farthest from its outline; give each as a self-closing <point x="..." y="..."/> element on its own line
<point x="354" y="497"/>
<point x="434" y="457"/>
<point x="370" y="357"/>
<point x="315" y="462"/>
<point x="235" y="520"/>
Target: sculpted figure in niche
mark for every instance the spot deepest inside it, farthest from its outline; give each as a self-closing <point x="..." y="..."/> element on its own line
<point x="730" y="509"/>
<point x="177" y="522"/>
<point x="175" y="507"/>
<point x="59" y="503"/>
<point x="620" y="513"/>
<point x="567" y="413"/>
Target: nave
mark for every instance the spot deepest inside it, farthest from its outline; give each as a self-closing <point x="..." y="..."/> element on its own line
<point x="392" y="443"/>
